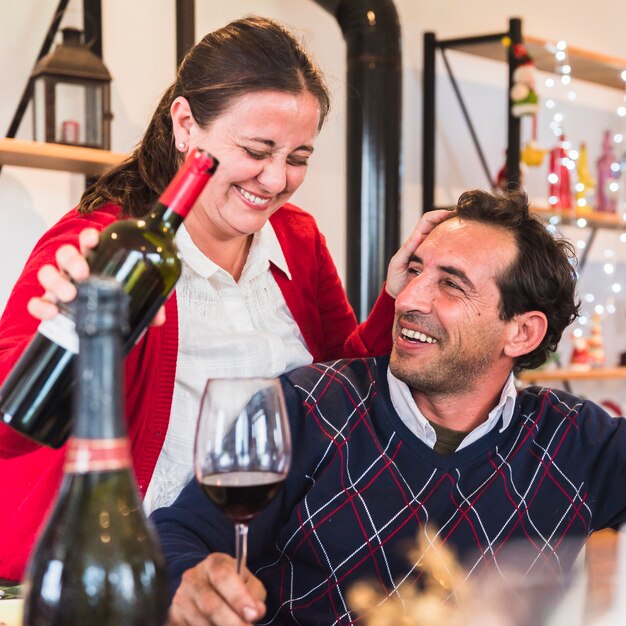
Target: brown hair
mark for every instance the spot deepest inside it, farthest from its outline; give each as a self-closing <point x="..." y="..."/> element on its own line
<point x="247" y="55"/>
<point x="542" y="276"/>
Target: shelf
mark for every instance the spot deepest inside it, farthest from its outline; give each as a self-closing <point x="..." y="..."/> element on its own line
<point x="52" y="156"/>
<point x="603" y="373"/>
<point x="590" y="66"/>
<point x="571" y="217"/>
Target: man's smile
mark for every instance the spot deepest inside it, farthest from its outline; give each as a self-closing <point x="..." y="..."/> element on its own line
<point x="416" y="336"/>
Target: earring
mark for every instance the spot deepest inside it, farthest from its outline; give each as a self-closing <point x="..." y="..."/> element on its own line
<point x="181" y="145"/>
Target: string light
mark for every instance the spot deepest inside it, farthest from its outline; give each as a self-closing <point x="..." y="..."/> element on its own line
<point x="562" y="158"/>
<point x="595" y="303"/>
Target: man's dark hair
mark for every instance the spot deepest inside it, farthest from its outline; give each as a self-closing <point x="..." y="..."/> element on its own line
<point x="542" y="277"/>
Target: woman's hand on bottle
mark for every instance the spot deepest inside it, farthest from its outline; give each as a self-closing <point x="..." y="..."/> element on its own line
<point x="397" y="271"/>
<point x="213" y="593"/>
<point x="59" y="281"/>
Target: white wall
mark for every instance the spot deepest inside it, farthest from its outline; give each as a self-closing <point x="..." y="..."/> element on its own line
<point x="139" y="50"/>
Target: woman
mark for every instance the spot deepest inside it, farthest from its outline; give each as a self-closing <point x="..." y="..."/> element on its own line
<point x="259" y="293"/>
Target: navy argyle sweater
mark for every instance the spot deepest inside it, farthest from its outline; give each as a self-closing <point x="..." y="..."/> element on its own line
<point x="362" y="485"/>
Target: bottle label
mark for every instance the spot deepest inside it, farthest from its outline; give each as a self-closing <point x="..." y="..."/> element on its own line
<point x="97" y="455"/>
<point x="62" y="331"/>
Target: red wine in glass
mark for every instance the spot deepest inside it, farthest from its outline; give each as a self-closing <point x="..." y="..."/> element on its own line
<point x="241" y="495"/>
<point x="242" y="450"/>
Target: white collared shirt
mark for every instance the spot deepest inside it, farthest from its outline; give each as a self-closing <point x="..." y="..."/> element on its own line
<point x="405" y="407"/>
<point x="226" y="329"/>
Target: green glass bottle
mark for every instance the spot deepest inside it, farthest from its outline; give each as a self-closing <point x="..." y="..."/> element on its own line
<point x="97" y="561"/>
<point x="36" y="397"/>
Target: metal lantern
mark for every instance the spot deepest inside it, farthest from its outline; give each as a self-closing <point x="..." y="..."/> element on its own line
<point x="72" y="95"/>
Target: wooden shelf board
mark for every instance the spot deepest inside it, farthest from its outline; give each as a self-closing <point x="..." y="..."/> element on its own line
<point x="590" y="66"/>
<point x="52" y="156"/>
<point x="603" y="373"/>
<point x="593" y="218"/>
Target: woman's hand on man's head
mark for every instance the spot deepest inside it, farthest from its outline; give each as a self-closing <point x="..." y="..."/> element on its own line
<point x="397" y="271"/>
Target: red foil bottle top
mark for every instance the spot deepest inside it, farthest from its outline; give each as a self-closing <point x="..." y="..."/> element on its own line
<point x="184" y="189"/>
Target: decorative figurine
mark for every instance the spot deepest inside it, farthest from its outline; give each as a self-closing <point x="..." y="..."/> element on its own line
<point x="595" y="343"/>
<point x="580" y="354"/>
<point x="523" y="92"/>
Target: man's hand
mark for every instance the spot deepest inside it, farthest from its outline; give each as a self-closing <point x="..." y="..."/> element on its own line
<point x="212" y="593"/>
<point x="57" y="281"/>
<point x="397" y="272"/>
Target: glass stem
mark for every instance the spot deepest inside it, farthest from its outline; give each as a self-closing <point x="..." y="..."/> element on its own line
<point x="241" y="546"/>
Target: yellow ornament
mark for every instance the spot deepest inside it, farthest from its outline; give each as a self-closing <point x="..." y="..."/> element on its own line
<point x="532" y="155"/>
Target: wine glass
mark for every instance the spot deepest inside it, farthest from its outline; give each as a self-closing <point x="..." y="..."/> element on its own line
<point x="242" y="449"/>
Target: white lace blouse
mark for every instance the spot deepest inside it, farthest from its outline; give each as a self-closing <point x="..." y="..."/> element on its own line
<point x="226" y="329"/>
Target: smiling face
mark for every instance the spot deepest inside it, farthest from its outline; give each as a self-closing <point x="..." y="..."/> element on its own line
<point x="448" y="335"/>
<point x="263" y="142"/>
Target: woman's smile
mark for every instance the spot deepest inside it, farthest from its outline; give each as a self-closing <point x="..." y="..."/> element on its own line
<point x="254" y="200"/>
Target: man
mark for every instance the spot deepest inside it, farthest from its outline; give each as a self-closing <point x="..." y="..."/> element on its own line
<point x="436" y="434"/>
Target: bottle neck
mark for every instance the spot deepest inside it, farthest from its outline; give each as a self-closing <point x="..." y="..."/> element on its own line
<point x="180" y="195"/>
<point x="98" y="398"/>
<point x="166" y="218"/>
<point x="99" y="441"/>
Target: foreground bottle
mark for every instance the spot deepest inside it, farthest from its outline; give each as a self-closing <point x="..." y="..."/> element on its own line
<point x="97" y="560"/>
<point x="36" y="397"/>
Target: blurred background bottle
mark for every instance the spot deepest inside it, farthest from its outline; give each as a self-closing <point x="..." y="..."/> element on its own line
<point x="608" y="177"/>
<point x="559" y="179"/>
<point x="97" y="560"/>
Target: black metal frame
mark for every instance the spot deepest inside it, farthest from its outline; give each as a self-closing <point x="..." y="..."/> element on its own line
<point x="92" y="25"/>
<point x="185" y="28"/>
<point x="431" y="45"/>
<point x="28" y="89"/>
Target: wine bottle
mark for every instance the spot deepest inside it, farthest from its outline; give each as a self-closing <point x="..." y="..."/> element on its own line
<point x="97" y="561"/>
<point x="141" y="255"/>
<point x="608" y="175"/>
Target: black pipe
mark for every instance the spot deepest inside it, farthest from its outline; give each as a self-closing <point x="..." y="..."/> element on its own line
<point x="371" y="29"/>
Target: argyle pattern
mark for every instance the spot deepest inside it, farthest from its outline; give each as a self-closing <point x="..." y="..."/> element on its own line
<point x="362" y="486"/>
